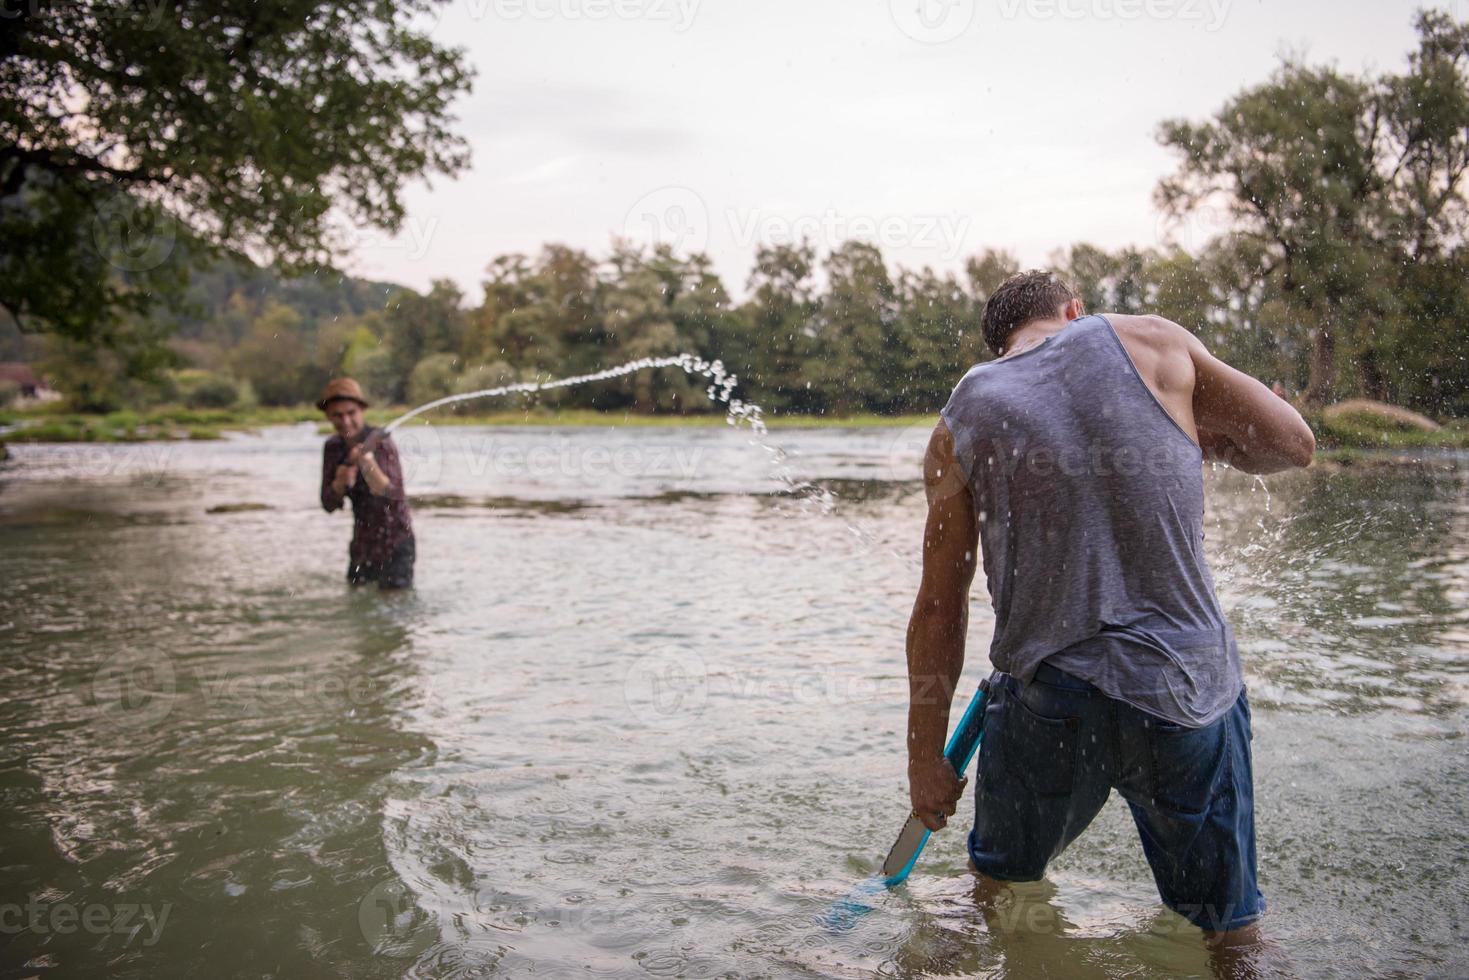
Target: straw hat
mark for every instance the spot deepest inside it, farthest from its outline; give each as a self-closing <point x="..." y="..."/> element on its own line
<point x="341" y="388"/>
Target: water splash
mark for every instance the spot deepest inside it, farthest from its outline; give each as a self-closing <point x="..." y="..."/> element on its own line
<point x="1259" y="484"/>
<point x="720" y="390"/>
<point x="842" y="915"/>
<point x="723" y="384"/>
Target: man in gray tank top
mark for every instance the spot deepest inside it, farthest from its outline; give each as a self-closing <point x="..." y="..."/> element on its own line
<point x="1073" y="465"/>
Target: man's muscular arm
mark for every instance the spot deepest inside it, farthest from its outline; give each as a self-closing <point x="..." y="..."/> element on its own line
<point x="1243" y="423"/>
<point x="936" y="630"/>
<point x="1238" y="420"/>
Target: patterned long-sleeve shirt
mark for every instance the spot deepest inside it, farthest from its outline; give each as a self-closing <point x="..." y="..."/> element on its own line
<point x="379" y="521"/>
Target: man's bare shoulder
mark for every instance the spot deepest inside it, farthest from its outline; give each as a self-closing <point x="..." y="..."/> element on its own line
<point x="1163" y="353"/>
<point x="1152" y="331"/>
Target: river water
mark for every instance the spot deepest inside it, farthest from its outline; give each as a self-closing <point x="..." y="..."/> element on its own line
<point x="643" y="716"/>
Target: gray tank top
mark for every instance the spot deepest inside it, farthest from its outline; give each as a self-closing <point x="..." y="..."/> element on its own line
<point x="1090" y="500"/>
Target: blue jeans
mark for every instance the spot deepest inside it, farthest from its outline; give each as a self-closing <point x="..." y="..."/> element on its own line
<point x="1055" y="748"/>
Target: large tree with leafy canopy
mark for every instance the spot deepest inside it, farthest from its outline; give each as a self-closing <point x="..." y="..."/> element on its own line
<point x="136" y="138"/>
<point x="1347" y="189"/>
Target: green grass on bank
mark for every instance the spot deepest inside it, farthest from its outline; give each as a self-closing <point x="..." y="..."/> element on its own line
<point x="1366" y="433"/>
<point x="102" y="428"/>
<point x="1346" y="435"/>
<point x="49" y="424"/>
<point x="588" y="417"/>
<point x="165" y="423"/>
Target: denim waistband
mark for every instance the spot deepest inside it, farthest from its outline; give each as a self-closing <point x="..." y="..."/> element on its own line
<point x="1056" y="677"/>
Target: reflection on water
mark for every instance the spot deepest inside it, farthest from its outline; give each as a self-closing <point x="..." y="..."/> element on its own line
<point x="643" y="716"/>
<point x="1353" y="589"/>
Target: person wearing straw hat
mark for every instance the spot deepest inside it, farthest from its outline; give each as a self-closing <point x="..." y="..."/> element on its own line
<point x="367" y="471"/>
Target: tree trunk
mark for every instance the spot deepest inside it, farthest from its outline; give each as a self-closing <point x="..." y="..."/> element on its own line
<point x="1323" y="367"/>
<point x="1369" y="372"/>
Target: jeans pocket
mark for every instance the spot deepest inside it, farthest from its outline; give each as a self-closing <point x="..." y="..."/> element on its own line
<point x="1040" y="750"/>
<point x="1186" y="764"/>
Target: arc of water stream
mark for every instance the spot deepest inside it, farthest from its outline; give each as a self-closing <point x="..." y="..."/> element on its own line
<point x="723" y="384"/>
<point x="720" y="389"/>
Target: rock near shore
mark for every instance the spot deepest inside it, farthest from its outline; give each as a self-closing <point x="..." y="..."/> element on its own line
<point x="1379" y="415"/>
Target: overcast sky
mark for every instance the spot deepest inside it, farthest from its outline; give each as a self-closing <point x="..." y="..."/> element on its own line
<point x="934" y="128"/>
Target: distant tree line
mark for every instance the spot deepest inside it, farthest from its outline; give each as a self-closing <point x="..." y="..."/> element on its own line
<point x="816" y="334"/>
<point x="1328" y="254"/>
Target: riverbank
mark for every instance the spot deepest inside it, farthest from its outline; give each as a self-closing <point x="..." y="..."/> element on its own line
<point x="173" y="423"/>
<point x="1354" y="437"/>
<point x="163" y="424"/>
<point x="1340" y="440"/>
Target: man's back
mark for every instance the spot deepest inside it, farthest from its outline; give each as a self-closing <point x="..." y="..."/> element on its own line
<point x="1075" y="461"/>
<point x="1089" y="497"/>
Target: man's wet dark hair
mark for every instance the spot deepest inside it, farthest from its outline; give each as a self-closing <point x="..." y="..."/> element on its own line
<point x="1024" y="297"/>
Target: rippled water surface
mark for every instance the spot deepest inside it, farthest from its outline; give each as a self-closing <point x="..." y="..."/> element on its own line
<point x="643" y="716"/>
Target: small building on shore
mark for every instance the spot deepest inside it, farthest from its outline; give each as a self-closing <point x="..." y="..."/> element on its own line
<point x="30" y="386"/>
